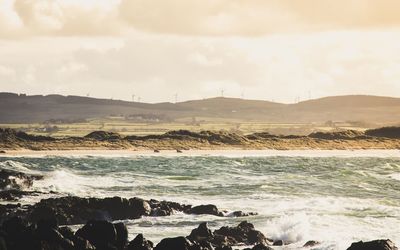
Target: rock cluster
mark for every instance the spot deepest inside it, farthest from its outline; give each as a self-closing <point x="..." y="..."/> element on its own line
<point x="18" y="234"/>
<point x="71" y="210"/>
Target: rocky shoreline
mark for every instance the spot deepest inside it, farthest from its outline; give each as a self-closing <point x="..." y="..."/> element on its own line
<point x="382" y="138"/>
<point x="45" y="225"/>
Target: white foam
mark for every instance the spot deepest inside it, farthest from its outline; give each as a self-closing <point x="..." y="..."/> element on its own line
<point x="395" y="176"/>
<point x="17" y="166"/>
<point x="290" y="228"/>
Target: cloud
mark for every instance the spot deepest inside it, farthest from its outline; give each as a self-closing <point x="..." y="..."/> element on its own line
<point x="31" y="18"/>
<point x="27" y="18"/>
<point x="155" y="67"/>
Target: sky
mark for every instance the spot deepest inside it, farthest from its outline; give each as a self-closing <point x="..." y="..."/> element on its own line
<point x="155" y="50"/>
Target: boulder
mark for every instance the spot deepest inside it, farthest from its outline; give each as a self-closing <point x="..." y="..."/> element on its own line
<point x="10" y="179"/>
<point x="178" y="243"/>
<point x="206" y="209"/>
<point x="311" y="243"/>
<point x="165" y="208"/>
<point x="244" y="233"/>
<point x="373" y="245"/>
<point x="259" y="247"/>
<point x="140" y="243"/>
<point x="101" y="234"/>
<point x="122" y="235"/>
<point x="201" y="233"/>
<point x="139" y="207"/>
<point x="242" y="214"/>
<point x="278" y="243"/>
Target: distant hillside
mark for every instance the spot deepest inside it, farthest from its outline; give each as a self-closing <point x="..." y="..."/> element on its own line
<point x="370" y="109"/>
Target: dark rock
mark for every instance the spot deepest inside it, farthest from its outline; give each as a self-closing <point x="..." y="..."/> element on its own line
<point x="242" y="214"/>
<point x="179" y="151"/>
<point x="165" y="208"/>
<point x="139" y="207"/>
<point x="206" y="209"/>
<point x="373" y="245"/>
<point x="82" y="244"/>
<point x="122" y="235"/>
<point x="75" y="210"/>
<point x="67" y="232"/>
<point x="178" y="243"/>
<point x="10" y="179"/>
<point x="278" y="243"/>
<point x="3" y="245"/>
<point x="101" y="234"/>
<point x="223" y="248"/>
<point x="244" y="233"/>
<point x="203" y="245"/>
<point x="259" y="247"/>
<point x="156" y="151"/>
<point x="140" y="243"/>
<point x="15" y="194"/>
<point x="2" y="152"/>
<point x="202" y="233"/>
<point x="311" y="243"/>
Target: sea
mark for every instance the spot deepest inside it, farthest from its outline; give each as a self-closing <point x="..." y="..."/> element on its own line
<point x="335" y="200"/>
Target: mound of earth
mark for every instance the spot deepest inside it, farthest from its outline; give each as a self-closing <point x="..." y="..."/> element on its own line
<point x="388" y="132"/>
<point x="213" y="137"/>
<point x="8" y="135"/>
<point x="103" y="136"/>
<point x="339" y="135"/>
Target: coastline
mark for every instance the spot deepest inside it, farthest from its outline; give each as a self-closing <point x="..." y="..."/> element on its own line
<point x="205" y="152"/>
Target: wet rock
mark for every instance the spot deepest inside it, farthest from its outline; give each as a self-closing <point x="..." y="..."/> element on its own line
<point x="122" y="235"/>
<point x="178" y="243"/>
<point x="259" y="247"/>
<point x="244" y="233"/>
<point x="2" y="152"/>
<point x="311" y="243"/>
<point x="278" y="243"/>
<point x="223" y="248"/>
<point x="242" y="214"/>
<point x="373" y="245"/>
<point x="82" y="244"/>
<point x="10" y="179"/>
<point x="140" y="207"/>
<point x="202" y="233"/>
<point x="140" y="243"/>
<point x="18" y="234"/>
<point x="15" y="194"/>
<point x="206" y="209"/>
<point x="102" y="234"/>
<point x="165" y="208"/>
<point x="67" y="232"/>
<point x="75" y="210"/>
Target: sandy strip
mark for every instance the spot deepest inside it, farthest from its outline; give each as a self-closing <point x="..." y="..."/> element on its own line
<point x="226" y="153"/>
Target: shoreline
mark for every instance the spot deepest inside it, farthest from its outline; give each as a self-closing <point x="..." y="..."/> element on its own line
<point x="206" y="152"/>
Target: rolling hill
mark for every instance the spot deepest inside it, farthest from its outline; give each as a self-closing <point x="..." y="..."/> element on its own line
<point x="378" y="110"/>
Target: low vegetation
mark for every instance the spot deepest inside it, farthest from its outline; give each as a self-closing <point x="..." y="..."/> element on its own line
<point x="383" y="138"/>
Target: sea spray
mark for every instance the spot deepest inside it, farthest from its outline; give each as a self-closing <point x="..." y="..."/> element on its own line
<point x="333" y="200"/>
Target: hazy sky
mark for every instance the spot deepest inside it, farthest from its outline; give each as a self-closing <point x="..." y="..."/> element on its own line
<point x="257" y="49"/>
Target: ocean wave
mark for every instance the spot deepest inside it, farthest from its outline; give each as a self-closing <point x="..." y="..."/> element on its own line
<point x="18" y="167"/>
